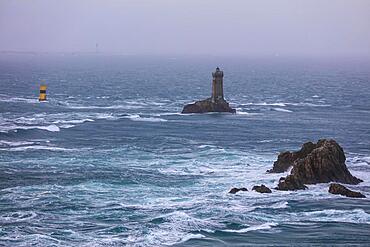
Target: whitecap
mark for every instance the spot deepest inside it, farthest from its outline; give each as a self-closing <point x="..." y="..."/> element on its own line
<point x="17" y="217"/>
<point x="36" y="147"/>
<point x="18" y="99"/>
<point x="264" y="226"/>
<point x="282" y="110"/>
<point x="136" y="117"/>
<point x="126" y="107"/>
<point x="74" y="121"/>
<point x="6" y="129"/>
<point x="330" y="215"/>
<point x="266" y="104"/>
<point x="309" y="104"/>
<point x="52" y="128"/>
<point x="279" y="205"/>
<point x="15" y="143"/>
<point x="66" y="126"/>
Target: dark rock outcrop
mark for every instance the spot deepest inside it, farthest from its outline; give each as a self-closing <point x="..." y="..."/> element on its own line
<point x="286" y="159"/>
<point x="290" y="182"/>
<point x="261" y="189"/>
<point x="339" y="189"/>
<point x="322" y="162"/>
<point x="325" y="163"/>
<point x="236" y="190"/>
<point x="208" y="105"/>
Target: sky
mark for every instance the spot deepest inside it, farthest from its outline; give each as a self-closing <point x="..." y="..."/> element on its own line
<point x="219" y="27"/>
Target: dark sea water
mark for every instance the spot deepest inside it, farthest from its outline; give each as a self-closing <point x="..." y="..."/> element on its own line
<point x="109" y="161"/>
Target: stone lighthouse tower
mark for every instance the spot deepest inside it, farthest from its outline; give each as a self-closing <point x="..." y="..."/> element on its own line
<point x="217" y="85"/>
<point x="216" y="103"/>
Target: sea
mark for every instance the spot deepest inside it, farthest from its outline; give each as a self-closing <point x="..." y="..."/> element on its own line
<point x="109" y="160"/>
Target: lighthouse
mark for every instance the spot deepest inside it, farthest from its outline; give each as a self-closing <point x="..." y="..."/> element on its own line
<point x="217" y="85"/>
<point x="216" y="103"/>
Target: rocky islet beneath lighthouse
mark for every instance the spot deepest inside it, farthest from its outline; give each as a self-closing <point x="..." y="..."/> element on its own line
<point x="216" y="103"/>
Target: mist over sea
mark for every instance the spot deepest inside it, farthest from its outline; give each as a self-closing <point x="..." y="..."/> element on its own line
<point x="109" y="160"/>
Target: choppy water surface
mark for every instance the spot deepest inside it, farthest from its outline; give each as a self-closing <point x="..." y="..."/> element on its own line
<point x="109" y="161"/>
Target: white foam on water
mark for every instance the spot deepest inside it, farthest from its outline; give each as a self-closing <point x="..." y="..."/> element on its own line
<point x="91" y="107"/>
<point x="52" y="128"/>
<point x="36" y="147"/>
<point x="168" y="114"/>
<point x="264" y="226"/>
<point x="17" y="217"/>
<point x="50" y="122"/>
<point x="15" y="143"/>
<point x="73" y="121"/>
<point x="282" y="110"/>
<point x="189" y="236"/>
<point x="266" y="104"/>
<point x="176" y="228"/>
<point x="279" y="205"/>
<point x="334" y="215"/>
<point x="6" y="98"/>
<point x="308" y="104"/>
<point x="66" y="126"/>
<point x="137" y="117"/>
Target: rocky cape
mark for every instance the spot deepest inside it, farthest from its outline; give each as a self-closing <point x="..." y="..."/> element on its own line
<point x="207" y="105"/>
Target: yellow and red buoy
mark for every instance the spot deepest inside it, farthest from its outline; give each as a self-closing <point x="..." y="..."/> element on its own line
<point x="42" y="96"/>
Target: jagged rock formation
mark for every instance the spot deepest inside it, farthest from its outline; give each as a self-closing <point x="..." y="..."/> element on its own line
<point x="290" y="182"/>
<point x="208" y="105"/>
<point x="339" y="189"/>
<point x="261" y="189"/>
<point x="236" y="190"/>
<point x="315" y="163"/>
<point x="326" y="163"/>
<point x="286" y="159"/>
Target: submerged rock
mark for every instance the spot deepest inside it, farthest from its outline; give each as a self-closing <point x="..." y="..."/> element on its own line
<point x="261" y="189"/>
<point x="290" y="182"/>
<point x="339" y="189"/>
<point x="236" y="190"/>
<point x="208" y="105"/>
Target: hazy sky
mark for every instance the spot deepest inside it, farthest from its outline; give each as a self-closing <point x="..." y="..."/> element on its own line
<point x="261" y="27"/>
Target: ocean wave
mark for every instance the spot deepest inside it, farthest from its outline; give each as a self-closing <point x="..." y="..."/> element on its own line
<point x="125" y="107"/>
<point x="5" y="98"/>
<point x="7" y="128"/>
<point x="168" y="114"/>
<point x="15" y="143"/>
<point x="330" y="215"/>
<point x="279" y="205"/>
<point x="73" y="121"/>
<point x="50" y="122"/>
<point x="264" y="226"/>
<point x="282" y="110"/>
<point x="52" y="128"/>
<point x="265" y="104"/>
<point x="308" y="104"/>
<point x="176" y="229"/>
<point x="17" y="217"/>
<point x="137" y="117"/>
<point x="37" y="147"/>
<point x="284" y="104"/>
